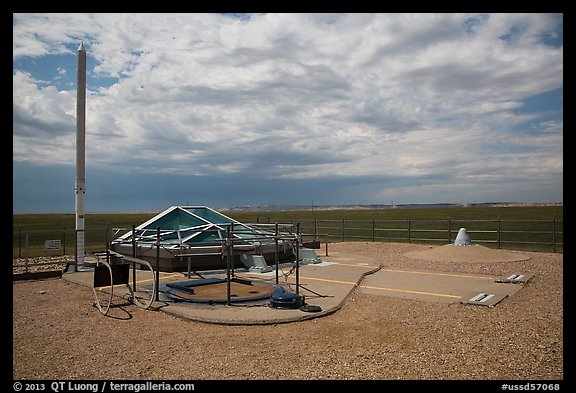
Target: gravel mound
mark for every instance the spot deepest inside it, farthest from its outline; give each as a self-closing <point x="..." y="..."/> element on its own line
<point x="471" y="253"/>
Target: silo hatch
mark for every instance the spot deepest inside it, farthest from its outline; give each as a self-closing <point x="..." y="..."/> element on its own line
<point x="482" y="297"/>
<point x="517" y="278"/>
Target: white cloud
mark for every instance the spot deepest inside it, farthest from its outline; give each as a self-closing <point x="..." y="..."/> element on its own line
<point x="295" y="95"/>
<point x="40" y="112"/>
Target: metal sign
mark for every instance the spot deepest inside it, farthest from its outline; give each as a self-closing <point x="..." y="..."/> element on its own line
<point x="51" y="245"/>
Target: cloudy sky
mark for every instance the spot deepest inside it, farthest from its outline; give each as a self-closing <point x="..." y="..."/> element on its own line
<point x="235" y="110"/>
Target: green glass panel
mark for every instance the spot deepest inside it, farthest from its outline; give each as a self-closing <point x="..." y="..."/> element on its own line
<point x="210" y="215"/>
<point x="204" y="237"/>
<point x="176" y="219"/>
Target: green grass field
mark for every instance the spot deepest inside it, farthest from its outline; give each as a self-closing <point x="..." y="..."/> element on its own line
<point x="462" y="213"/>
<point x="530" y="224"/>
<point x="521" y="223"/>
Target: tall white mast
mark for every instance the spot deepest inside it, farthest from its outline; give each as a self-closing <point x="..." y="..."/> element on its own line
<point x="80" y="189"/>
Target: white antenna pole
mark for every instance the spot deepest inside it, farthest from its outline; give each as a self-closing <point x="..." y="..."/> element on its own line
<point x="80" y="154"/>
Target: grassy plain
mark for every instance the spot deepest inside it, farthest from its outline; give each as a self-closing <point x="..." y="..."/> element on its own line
<point x="400" y="224"/>
<point x="442" y="213"/>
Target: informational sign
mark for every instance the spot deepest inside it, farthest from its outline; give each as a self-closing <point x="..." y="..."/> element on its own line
<point x="52" y="245"/>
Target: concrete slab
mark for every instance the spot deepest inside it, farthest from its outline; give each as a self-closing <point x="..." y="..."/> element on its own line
<point x="325" y="285"/>
<point x="435" y="286"/>
<point x="322" y="285"/>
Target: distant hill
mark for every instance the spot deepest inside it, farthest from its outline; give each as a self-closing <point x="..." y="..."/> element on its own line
<point x="267" y="208"/>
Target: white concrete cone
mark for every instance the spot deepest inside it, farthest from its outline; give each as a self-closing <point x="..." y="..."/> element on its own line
<point x="462" y="239"/>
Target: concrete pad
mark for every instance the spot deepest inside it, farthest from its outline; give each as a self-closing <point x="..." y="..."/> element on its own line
<point x="326" y="285"/>
<point x="434" y="286"/>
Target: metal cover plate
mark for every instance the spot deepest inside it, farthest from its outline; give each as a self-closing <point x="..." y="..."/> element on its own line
<point x="483" y="299"/>
<point x="286" y="300"/>
<point x="515" y="278"/>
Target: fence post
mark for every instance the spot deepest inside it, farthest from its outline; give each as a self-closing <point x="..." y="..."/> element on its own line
<point x="20" y="243"/>
<point x="373" y="230"/>
<point x="449" y="229"/>
<point x="315" y="229"/>
<point x="409" y="234"/>
<point x="26" y="252"/>
<point x="498" y="231"/>
<point x="554" y="233"/>
<point x="64" y="240"/>
<point x="342" y="229"/>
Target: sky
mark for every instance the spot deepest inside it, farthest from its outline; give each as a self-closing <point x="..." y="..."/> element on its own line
<point x="230" y="110"/>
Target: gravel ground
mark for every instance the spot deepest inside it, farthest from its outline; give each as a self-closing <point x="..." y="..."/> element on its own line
<point x="58" y="334"/>
<point x="41" y="264"/>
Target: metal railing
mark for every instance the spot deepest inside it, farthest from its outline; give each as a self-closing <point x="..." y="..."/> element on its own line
<point x="529" y="235"/>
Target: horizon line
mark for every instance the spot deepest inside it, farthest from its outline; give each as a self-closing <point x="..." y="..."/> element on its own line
<point x="296" y="207"/>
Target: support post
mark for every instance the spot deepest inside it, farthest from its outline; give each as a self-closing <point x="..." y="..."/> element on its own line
<point x="80" y="154"/>
<point x="297" y="258"/>
<point x="228" y="262"/>
<point x="231" y="251"/>
<point x="157" y="278"/>
<point x="134" y="256"/>
<point x="276" y="250"/>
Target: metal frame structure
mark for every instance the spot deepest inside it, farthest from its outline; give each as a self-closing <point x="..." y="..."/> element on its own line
<point x="198" y="234"/>
<point x="117" y="279"/>
<point x="229" y="245"/>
